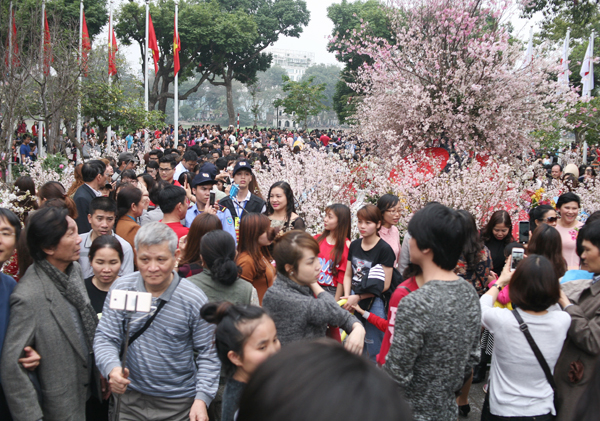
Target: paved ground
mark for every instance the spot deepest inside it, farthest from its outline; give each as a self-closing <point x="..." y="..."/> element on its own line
<point x="476" y="397"/>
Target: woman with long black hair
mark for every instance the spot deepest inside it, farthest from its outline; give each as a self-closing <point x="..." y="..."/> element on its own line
<point x="281" y="208"/>
<point x="496" y="235"/>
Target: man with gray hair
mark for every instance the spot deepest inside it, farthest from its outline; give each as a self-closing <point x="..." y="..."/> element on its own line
<point x="162" y="380"/>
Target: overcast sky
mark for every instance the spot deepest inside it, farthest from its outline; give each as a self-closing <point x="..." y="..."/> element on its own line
<point x="313" y="38"/>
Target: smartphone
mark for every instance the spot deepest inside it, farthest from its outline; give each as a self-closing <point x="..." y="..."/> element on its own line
<point x="523" y="231"/>
<point x="517" y="255"/>
<point x="212" y="198"/>
<point x="234" y="190"/>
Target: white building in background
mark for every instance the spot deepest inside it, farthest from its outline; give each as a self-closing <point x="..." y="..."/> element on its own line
<point x="294" y="62"/>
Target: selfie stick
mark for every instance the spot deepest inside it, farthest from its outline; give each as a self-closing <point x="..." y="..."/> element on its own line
<point x="127" y="319"/>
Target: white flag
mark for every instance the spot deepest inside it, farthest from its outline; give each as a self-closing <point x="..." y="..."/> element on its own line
<point x="587" y="69"/>
<point x="563" y="77"/>
<point x="529" y="53"/>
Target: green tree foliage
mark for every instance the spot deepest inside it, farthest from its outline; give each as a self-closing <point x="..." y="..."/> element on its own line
<point x="303" y="99"/>
<point x="273" y="18"/>
<point x="206" y="31"/>
<point x="346" y="18"/>
<point x="327" y="74"/>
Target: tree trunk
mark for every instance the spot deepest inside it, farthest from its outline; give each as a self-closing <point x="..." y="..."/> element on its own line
<point x="229" y="89"/>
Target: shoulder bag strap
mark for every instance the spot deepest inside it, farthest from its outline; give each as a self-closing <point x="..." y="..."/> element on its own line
<point x="147" y="324"/>
<point x="535" y="349"/>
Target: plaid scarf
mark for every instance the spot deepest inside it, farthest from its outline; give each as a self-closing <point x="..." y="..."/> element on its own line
<point x="69" y="285"/>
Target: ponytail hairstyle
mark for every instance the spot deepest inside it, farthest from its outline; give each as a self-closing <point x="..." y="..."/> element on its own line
<point x="342" y="232"/>
<point x="235" y="324"/>
<point x="55" y="190"/>
<point x="127" y="196"/>
<point x="217" y="249"/>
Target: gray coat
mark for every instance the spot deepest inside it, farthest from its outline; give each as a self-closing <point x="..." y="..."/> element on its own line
<point x="40" y="318"/>
<point x="298" y="315"/>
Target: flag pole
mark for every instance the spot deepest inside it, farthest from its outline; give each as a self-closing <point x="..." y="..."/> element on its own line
<point x="176" y="88"/>
<point x="10" y="59"/>
<point x="79" y="81"/>
<point x="40" y="124"/>
<point x="110" y="41"/>
<point x="146" y="140"/>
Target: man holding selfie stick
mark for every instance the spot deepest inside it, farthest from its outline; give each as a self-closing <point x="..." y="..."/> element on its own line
<point x="162" y="380"/>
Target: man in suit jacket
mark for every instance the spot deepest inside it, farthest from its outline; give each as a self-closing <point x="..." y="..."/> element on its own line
<point x="94" y="179"/>
<point x="50" y="311"/>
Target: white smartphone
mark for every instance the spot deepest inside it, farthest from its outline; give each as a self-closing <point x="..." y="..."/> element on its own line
<point x="517" y="255"/>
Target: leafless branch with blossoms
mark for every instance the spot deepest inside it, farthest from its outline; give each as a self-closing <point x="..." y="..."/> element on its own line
<point x="452" y="78"/>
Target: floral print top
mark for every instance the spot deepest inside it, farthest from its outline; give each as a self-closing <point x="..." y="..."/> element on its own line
<point x="480" y="275"/>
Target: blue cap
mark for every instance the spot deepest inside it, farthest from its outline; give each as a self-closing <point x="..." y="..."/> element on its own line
<point x="202" y="178"/>
<point x="242" y="165"/>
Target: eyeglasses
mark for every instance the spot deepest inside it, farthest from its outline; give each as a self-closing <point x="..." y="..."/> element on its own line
<point x="551" y="219"/>
<point x="394" y="212"/>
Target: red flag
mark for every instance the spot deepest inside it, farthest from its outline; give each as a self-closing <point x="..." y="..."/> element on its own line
<point x="112" y="51"/>
<point x="86" y="45"/>
<point x="152" y="43"/>
<point x="176" y="49"/>
<point x="13" y="40"/>
<point x="47" y="46"/>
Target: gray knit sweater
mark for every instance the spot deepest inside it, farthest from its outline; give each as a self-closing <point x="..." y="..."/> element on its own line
<point x="298" y="315"/>
<point x="435" y="344"/>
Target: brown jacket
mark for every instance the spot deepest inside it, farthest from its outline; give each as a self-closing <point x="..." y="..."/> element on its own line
<point x="582" y="344"/>
<point x="261" y="280"/>
<point x="127" y="228"/>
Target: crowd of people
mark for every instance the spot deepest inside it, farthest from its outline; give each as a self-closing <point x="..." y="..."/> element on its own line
<point x="253" y="318"/>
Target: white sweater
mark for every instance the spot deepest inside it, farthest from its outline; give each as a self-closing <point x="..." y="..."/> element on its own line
<point x="518" y="386"/>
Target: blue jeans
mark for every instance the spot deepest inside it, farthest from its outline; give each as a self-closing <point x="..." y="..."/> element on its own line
<point x="374" y="336"/>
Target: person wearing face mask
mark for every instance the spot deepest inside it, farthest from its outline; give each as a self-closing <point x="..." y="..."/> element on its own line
<point x="298" y="315"/>
<point x="568" y="226"/>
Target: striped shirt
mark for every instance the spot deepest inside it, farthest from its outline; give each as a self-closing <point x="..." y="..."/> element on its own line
<point x="161" y="360"/>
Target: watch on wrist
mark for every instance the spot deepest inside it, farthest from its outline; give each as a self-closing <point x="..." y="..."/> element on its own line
<point x="498" y="286"/>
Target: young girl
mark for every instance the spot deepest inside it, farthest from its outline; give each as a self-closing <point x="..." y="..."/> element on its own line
<point x="256" y="235"/>
<point x="389" y="205"/>
<point x="369" y="273"/>
<point x="291" y="300"/>
<point x="245" y="337"/>
<point x="333" y="249"/>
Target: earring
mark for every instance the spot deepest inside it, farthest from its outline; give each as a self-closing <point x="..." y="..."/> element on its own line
<point x="291" y="273"/>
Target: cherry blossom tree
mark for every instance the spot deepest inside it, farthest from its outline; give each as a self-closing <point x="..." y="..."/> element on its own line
<point x="453" y="77"/>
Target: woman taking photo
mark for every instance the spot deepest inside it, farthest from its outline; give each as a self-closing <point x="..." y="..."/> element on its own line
<point x="389" y="205"/>
<point x="546" y="241"/>
<point x="219" y="279"/>
<point x="106" y="257"/>
<point x="291" y="301"/>
<point x="497" y="235"/>
<point x="369" y="273"/>
<point x="518" y="385"/>
<point x="130" y="206"/>
<point x="281" y="209"/>
<point x="333" y="248"/>
<point x="191" y="262"/>
<point x="256" y="235"/>
<point x="568" y="226"/>
<point x="574" y="370"/>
